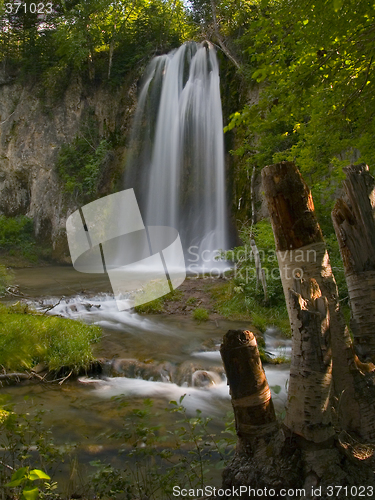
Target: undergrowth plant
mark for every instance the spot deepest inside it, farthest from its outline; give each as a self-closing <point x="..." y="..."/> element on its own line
<point x="28" y="452"/>
<point x="241" y="296"/>
<point x="80" y="166"/>
<point x="184" y="454"/>
<point x="200" y="314"/>
<point x="5" y="279"/>
<point x="155" y="458"/>
<point x="17" y="238"/>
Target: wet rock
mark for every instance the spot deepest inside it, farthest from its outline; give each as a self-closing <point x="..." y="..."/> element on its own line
<point x="132" y="368"/>
<point x="205" y="378"/>
<point x="192" y="374"/>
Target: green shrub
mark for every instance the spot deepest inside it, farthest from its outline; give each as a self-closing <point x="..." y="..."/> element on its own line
<point x="29" y="339"/>
<point x="17" y="236"/>
<point x="232" y="302"/>
<point x="80" y="166"/>
<point x="200" y="314"/>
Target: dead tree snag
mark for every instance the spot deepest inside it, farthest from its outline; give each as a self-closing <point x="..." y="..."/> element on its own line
<point x="303" y="257"/>
<point x="353" y="219"/>
<point x="331" y="401"/>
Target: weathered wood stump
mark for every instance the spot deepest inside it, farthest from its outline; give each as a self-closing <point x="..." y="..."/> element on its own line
<point x="250" y="393"/>
<point x="263" y="459"/>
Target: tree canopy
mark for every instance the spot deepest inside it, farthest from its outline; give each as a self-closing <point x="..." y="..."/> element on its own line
<point x="308" y="64"/>
<point x="91" y="36"/>
<point x="313" y="63"/>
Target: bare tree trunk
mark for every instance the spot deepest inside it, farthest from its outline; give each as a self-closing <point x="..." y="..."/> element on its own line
<point x="223" y="47"/>
<point x="309" y="392"/>
<point x="260" y="274"/>
<point x="304" y="266"/>
<point x="110" y="60"/>
<point x="302" y="255"/>
<point x="354" y="224"/>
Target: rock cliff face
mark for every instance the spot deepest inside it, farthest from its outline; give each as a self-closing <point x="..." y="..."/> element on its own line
<point x="32" y="131"/>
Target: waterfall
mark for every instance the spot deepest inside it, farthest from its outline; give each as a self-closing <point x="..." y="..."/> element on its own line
<point x="176" y="153"/>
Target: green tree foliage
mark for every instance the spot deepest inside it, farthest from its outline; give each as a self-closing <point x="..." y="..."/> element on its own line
<point x="94" y="37"/>
<point x="309" y="69"/>
<point x="26" y="39"/>
<point x="17" y="236"/>
<point x="314" y="63"/>
<point x="80" y="166"/>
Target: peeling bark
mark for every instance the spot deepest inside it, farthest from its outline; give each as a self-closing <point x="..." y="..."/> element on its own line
<point x="309" y="395"/>
<point x="353" y="220"/>
<point x="302" y="255"/>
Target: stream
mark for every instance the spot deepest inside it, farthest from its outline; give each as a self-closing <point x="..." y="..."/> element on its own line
<point x="161" y="357"/>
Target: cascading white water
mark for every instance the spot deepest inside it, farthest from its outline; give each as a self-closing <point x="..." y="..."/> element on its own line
<point x="176" y="159"/>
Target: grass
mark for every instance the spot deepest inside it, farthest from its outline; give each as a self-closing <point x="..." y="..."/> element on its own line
<point x="153" y="307"/>
<point x="157" y="306"/>
<point x="28" y="339"/>
<point x="233" y="303"/>
<point x="200" y="314"/>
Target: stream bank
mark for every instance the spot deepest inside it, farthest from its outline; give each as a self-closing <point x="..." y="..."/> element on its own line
<point x="161" y="356"/>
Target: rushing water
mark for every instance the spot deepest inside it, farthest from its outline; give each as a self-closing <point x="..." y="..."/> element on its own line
<point x="159" y="357"/>
<point x="174" y="355"/>
<point x="176" y="166"/>
<point x="176" y="159"/>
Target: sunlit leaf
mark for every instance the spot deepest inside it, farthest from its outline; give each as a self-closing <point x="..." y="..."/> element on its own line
<point x="38" y="474"/>
<point x="31" y="494"/>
